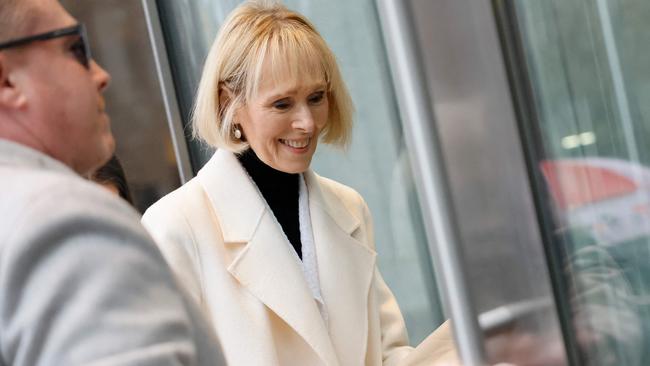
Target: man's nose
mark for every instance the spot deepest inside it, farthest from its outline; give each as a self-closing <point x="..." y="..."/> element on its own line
<point x="101" y="77"/>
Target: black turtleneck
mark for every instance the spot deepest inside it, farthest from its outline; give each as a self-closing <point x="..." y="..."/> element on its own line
<point x="280" y="190"/>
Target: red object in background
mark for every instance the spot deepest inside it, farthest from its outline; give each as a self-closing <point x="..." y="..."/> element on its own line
<point x="577" y="183"/>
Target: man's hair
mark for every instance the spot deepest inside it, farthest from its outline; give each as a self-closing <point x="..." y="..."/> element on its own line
<point x="13" y="16"/>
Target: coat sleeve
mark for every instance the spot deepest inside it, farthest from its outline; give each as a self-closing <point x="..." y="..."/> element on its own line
<point x="88" y="287"/>
<point x="437" y="349"/>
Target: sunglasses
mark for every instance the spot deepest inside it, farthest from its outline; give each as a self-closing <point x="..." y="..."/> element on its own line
<point x="80" y="48"/>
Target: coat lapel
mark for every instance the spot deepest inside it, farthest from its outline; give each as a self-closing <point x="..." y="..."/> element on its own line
<point x="345" y="267"/>
<point x="262" y="261"/>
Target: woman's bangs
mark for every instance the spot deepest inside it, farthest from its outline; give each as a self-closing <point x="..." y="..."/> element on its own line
<point x="296" y="58"/>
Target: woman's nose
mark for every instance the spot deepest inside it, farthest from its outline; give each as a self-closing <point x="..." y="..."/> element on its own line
<point x="304" y="120"/>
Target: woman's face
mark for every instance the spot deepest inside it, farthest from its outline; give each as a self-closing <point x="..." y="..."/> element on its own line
<point x="283" y="121"/>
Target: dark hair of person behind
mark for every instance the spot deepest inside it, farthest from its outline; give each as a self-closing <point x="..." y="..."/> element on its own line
<point x="112" y="173"/>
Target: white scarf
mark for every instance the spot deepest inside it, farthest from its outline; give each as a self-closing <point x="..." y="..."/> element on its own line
<point x="309" y="262"/>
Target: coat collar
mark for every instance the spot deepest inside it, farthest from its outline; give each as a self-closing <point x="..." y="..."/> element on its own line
<point x="12" y="153"/>
<point x="345" y="266"/>
<point x="234" y="197"/>
<point x="266" y="264"/>
<point x="330" y="203"/>
<point x="240" y="206"/>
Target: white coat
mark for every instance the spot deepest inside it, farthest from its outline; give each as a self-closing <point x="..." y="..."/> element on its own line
<point x="222" y="240"/>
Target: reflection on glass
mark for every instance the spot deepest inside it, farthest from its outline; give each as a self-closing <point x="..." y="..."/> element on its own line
<point x="376" y="163"/>
<point x="591" y="83"/>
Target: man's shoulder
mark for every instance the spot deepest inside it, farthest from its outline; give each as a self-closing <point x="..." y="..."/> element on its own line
<point x="29" y="187"/>
<point x="40" y="200"/>
<point x="69" y="244"/>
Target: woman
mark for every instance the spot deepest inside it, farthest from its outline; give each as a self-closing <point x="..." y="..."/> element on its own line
<point x="281" y="259"/>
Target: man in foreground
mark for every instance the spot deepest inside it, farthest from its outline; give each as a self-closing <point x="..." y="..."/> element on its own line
<point x="81" y="282"/>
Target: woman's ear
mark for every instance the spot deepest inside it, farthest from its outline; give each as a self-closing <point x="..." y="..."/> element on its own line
<point x="225" y="96"/>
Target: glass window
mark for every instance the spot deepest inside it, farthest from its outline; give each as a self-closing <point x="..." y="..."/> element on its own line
<point x="120" y="43"/>
<point x="376" y="164"/>
<point x="589" y="69"/>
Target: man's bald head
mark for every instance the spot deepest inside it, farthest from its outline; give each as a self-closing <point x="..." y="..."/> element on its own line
<point x="51" y="99"/>
<point x="14" y="18"/>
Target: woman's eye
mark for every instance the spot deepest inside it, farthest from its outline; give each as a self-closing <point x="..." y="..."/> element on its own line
<point x="282" y="104"/>
<point x="317" y="97"/>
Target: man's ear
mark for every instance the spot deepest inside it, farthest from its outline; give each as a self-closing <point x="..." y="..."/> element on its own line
<point x="11" y="96"/>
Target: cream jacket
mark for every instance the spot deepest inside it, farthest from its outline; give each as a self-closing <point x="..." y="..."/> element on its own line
<point x="224" y="244"/>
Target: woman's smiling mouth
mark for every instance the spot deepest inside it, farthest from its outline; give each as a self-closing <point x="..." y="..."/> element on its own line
<point x="296" y="144"/>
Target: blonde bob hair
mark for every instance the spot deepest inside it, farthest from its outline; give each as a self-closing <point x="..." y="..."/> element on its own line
<point x="254" y="32"/>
